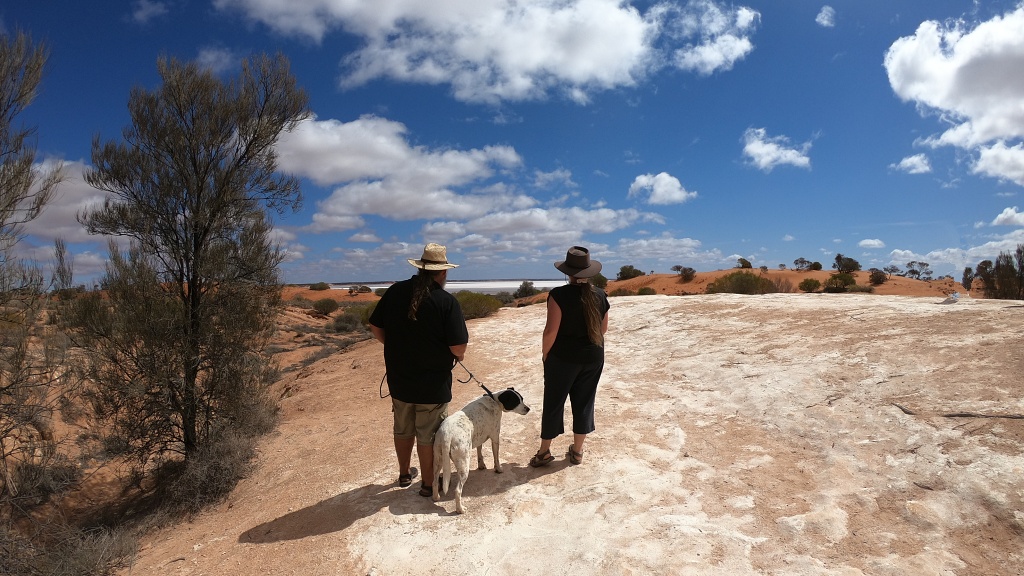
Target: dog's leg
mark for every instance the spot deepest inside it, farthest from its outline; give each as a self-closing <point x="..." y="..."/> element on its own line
<point x="462" y="466"/>
<point x="494" y="450"/>
<point x="480" y="458"/>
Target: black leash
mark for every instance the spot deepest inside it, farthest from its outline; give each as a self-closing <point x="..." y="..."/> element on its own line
<point x="471" y="377"/>
<point x="466" y="381"/>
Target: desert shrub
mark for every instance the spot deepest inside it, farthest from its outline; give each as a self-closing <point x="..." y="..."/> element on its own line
<point x="741" y="283"/>
<point x="300" y="302"/>
<point x="525" y="290"/>
<point x="686" y="274"/>
<point x="505" y="298"/>
<point x="325" y="305"/>
<point x="743" y="263"/>
<point x="809" y="285"/>
<point x="361" y="311"/>
<point x="646" y="291"/>
<point x="320" y="286"/>
<point x="815" y="266"/>
<point x="599" y="280"/>
<point x="347" y="322"/>
<point x="877" y="277"/>
<point x="208" y="476"/>
<point x="477" y="305"/>
<point x="860" y="288"/>
<point x="782" y="285"/>
<point x="621" y="292"/>
<point x="380" y="291"/>
<point x="66" y="550"/>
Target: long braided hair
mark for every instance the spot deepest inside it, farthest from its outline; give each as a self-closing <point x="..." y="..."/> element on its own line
<point x="591" y="312"/>
<point x="420" y="290"/>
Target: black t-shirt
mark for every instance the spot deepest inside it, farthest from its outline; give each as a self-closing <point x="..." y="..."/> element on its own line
<point x="416" y="352"/>
<point x="572" y="343"/>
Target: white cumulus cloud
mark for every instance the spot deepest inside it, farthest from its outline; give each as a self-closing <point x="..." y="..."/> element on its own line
<point x="1009" y="217"/>
<point x="767" y="152"/>
<point x="871" y="243"/>
<point x="969" y="75"/>
<point x="516" y="49"/>
<point x="916" y="164"/>
<point x="826" y="17"/>
<point x="662" y="188"/>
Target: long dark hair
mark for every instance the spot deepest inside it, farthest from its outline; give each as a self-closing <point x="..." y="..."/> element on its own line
<point x="591" y="313"/>
<point x="421" y="284"/>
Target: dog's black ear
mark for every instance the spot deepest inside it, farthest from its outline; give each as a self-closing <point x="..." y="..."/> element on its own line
<point x="509" y="399"/>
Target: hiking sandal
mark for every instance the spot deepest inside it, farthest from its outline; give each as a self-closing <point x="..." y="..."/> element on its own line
<point x="542" y="459"/>
<point x="574" y="456"/>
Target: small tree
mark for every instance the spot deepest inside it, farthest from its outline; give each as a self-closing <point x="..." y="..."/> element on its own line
<point x="627" y="272"/>
<point x="801" y="264"/>
<point x="743" y="263"/>
<point x="176" y="351"/>
<point x="968" y="278"/>
<point x="891" y="269"/>
<point x="599" y="280"/>
<point x="525" y="290"/>
<point x="815" y="266"/>
<point x="844" y="264"/>
<point x="919" y="270"/>
<point x="28" y="356"/>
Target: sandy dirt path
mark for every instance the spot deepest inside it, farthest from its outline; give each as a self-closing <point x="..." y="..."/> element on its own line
<point x="783" y="434"/>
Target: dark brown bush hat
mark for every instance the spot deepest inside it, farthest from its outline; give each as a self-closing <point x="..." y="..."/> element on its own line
<point x="577" y="263"/>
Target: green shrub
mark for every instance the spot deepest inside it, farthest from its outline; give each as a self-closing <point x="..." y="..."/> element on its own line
<point x="320" y="286"/>
<point x="877" y="277"/>
<point x="348" y="322"/>
<point x="686" y="274"/>
<point x="525" y="290"/>
<point x="325" y="305"/>
<point x="362" y="311"/>
<point x="380" y="291"/>
<point x="834" y="285"/>
<point x="476" y="305"/>
<point x="741" y="283"/>
<point x="505" y="298"/>
<point x="646" y="291"/>
<point x="860" y="288"/>
<point x="621" y="292"/>
<point x="809" y="285"/>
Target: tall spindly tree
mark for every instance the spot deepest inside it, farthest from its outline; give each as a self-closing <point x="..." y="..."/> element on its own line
<point x="28" y="376"/>
<point x="176" y="347"/>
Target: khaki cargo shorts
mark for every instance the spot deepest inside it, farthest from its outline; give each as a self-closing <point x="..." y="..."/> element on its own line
<point x="419" y="420"/>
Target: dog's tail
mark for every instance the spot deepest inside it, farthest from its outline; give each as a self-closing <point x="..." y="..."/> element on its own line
<point x="445" y="464"/>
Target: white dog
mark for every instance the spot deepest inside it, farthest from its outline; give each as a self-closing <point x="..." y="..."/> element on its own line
<point x="467" y="429"/>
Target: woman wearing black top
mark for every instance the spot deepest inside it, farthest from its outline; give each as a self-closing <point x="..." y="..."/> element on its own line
<point x="573" y="353"/>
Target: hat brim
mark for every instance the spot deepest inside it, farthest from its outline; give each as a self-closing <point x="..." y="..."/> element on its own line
<point x="431" y="266"/>
<point x="587" y="272"/>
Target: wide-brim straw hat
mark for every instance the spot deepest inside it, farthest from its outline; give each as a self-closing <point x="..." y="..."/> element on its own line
<point x="435" y="257"/>
<point x="578" y="264"/>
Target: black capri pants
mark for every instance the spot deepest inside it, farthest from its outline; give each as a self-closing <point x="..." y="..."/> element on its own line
<point x="578" y="383"/>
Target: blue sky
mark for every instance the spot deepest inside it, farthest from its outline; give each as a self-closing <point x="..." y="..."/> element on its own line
<point x="656" y="133"/>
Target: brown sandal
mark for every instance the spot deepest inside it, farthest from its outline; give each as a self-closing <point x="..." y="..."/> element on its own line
<point x="574" y="456"/>
<point x="542" y="459"/>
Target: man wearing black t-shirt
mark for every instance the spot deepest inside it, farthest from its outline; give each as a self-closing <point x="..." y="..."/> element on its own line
<point x="424" y="334"/>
